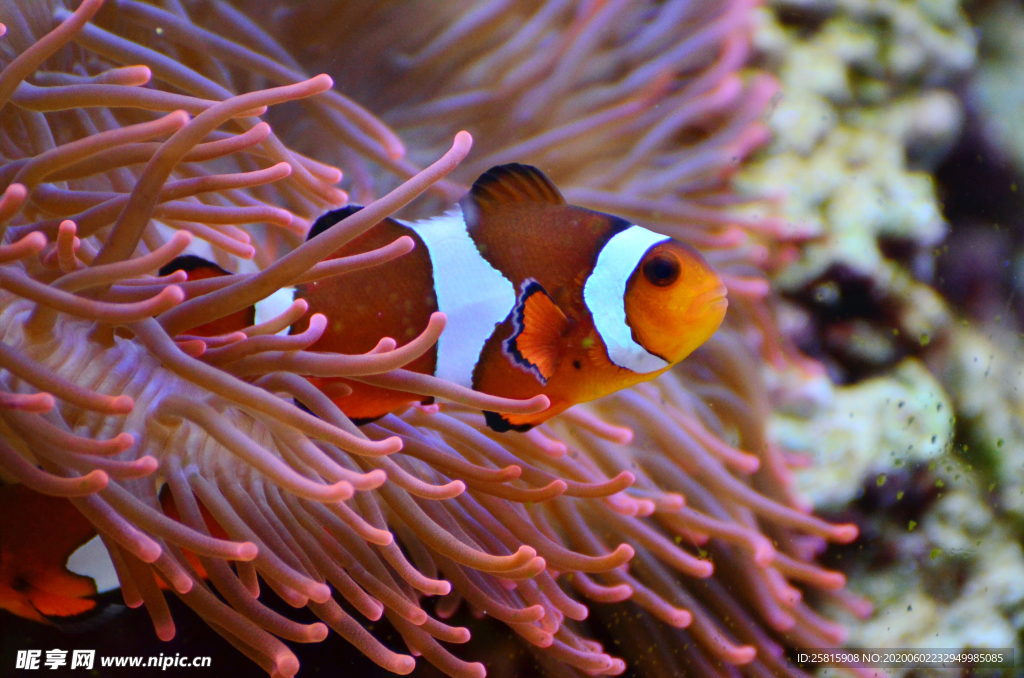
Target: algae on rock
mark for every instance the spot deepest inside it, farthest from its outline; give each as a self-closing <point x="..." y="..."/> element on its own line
<point x="868" y="112"/>
<point x="958" y="581"/>
<point x="952" y="577"/>
<point x="997" y="89"/>
<point x="985" y="376"/>
<point x="864" y="88"/>
<point x="869" y="430"/>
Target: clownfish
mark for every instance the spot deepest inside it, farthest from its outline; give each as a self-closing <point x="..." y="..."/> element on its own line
<point x="542" y="297"/>
<point x="54" y="567"/>
<point x="52" y="564"/>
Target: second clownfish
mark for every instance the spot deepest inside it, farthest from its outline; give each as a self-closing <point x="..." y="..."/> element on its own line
<point x="542" y="297"/>
<point x="54" y="568"/>
<point x="52" y="565"/>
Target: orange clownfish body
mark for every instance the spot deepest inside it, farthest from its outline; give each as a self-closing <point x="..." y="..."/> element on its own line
<point x="542" y="297"/>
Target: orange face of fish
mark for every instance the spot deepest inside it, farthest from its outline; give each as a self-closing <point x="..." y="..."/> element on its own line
<point x="674" y="301"/>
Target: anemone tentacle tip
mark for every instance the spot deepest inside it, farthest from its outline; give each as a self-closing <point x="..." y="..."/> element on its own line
<point x="846" y="533"/>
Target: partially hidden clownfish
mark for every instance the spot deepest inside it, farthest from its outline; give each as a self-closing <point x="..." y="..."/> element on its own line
<point x="542" y="297"/>
<point x="52" y="564"/>
<point x="54" y="568"/>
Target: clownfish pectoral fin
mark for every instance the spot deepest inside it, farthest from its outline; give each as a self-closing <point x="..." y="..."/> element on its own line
<point x="538" y="326"/>
<point x="51" y="561"/>
<point x="328" y="219"/>
<point x="505" y="184"/>
<point x="56" y="605"/>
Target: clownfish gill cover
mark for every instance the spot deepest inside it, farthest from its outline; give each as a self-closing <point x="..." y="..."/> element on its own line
<point x="301" y="361"/>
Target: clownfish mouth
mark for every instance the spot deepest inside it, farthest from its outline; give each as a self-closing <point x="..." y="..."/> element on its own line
<point x="710" y="300"/>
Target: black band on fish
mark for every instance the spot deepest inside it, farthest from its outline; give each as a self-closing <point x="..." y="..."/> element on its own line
<point x="106" y="610"/>
<point x="190" y="262"/>
<point x="328" y="219"/>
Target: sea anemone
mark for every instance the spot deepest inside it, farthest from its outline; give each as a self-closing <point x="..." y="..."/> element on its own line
<point x="130" y="130"/>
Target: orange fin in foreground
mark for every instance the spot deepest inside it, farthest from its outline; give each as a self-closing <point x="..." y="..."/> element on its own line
<point x="538" y="327"/>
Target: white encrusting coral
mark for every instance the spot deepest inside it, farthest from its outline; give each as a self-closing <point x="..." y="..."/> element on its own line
<point x="851" y="112"/>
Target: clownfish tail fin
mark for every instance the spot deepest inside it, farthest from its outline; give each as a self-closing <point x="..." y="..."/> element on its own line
<point x="538" y="326"/>
<point x="328" y="219"/>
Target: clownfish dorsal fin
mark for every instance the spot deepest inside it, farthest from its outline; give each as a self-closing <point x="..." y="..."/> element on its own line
<point x="538" y="326"/>
<point x="513" y="183"/>
<point x="328" y="219"/>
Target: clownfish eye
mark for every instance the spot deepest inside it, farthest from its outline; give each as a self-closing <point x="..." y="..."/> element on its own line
<point x="662" y="270"/>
